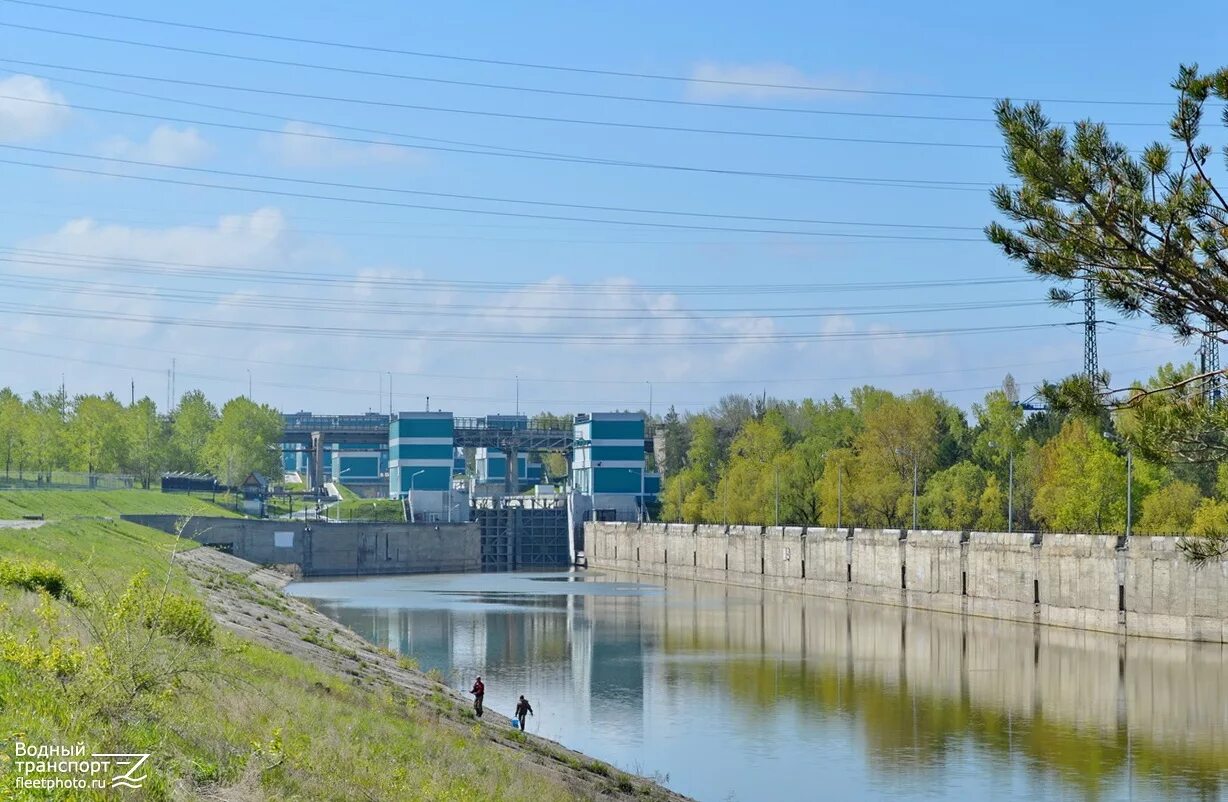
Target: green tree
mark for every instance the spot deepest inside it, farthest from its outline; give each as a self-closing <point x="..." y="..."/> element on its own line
<point x="727" y="418"/>
<point x="1082" y="482"/>
<point x="553" y="463"/>
<point x="96" y="434"/>
<point x="244" y="440"/>
<point x="673" y="432"/>
<point x="999" y="424"/>
<point x="45" y="441"/>
<point x="1170" y="510"/>
<point x="191" y="424"/>
<point x="147" y="441"/>
<point x="992" y="507"/>
<point x="1210" y="524"/>
<point x="833" y="501"/>
<point x="749" y="483"/>
<point x="952" y="498"/>
<point x="901" y="439"/>
<point x="1144" y="229"/>
<point x="12" y="429"/>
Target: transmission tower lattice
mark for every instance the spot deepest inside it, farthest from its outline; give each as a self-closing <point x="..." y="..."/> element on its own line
<point x="1208" y="353"/>
<point x="1091" y="361"/>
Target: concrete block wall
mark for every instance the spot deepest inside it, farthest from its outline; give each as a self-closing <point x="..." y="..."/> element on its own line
<point x="336" y="549"/>
<point x="1143" y="586"/>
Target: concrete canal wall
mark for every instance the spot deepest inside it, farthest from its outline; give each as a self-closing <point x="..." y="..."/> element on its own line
<point x="335" y="549"/>
<point x="1144" y="586"/>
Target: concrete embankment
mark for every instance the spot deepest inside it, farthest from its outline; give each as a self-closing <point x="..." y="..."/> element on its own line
<point x="334" y="549"/>
<point x="1143" y="586"/>
<point x="248" y="600"/>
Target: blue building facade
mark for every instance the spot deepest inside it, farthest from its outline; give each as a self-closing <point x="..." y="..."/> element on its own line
<point x="608" y="454"/>
<point x="491" y="466"/>
<point x="421" y="458"/>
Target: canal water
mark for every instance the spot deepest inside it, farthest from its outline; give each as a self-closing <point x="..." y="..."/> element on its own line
<point x="733" y="694"/>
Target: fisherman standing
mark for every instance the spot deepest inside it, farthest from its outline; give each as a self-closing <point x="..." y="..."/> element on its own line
<point x="523" y="710"/>
<point x="479" y="690"/>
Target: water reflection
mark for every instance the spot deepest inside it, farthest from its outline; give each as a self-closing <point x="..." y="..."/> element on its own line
<point x="732" y="691"/>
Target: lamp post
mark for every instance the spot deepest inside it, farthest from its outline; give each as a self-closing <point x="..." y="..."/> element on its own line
<point x="776" y="474"/>
<point x="412" y="476"/>
<point x="1010" y="488"/>
<point x="1010" y="494"/>
<point x="1129" y="480"/>
<point x="914" y="489"/>
<point x="839" y="495"/>
<point x="343" y="473"/>
<point x="1129" y="490"/>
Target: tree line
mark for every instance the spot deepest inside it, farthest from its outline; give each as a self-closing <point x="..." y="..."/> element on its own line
<point x="855" y="462"/>
<point x="48" y="433"/>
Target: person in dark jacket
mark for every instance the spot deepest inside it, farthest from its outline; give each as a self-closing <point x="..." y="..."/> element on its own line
<point x="523" y="711"/>
<point x="479" y="690"/>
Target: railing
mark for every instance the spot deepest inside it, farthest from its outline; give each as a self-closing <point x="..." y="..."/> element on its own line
<point x="71" y="480"/>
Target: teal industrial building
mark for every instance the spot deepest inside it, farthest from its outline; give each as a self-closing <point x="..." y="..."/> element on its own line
<point x="421" y="460"/>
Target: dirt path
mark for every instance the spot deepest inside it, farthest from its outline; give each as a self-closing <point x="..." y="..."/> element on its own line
<point x="248" y="600"/>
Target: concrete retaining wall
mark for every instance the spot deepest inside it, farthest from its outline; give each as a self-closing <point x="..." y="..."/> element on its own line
<point x="336" y="549"/>
<point x="1144" y="586"/>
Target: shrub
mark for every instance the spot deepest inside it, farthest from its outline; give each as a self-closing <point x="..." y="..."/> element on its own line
<point x="181" y="618"/>
<point x="36" y="576"/>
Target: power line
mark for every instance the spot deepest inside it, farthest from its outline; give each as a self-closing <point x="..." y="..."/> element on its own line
<point x="567" y="120"/>
<point x="401" y="235"/>
<point x="402" y="205"/>
<point x="487" y="198"/>
<point x="348" y="390"/>
<point x="256" y="273"/>
<point x="485" y="311"/>
<point x="469" y="148"/>
<point x="325" y="367"/>
<point x="497" y="86"/>
<point x="561" y="68"/>
<point x="443" y="335"/>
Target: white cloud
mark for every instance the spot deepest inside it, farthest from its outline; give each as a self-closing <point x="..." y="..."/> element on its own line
<point x="165" y="145"/>
<point x="768" y="80"/>
<point x="306" y="145"/>
<point x="235" y="240"/>
<point x="28" y="109"/>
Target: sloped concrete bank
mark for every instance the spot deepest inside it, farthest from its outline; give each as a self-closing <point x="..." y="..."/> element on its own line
<point x="1138" y="586"/>
<point x="248" y="600"/>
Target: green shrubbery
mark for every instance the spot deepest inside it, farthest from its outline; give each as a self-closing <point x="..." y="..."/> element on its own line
<point x="35" y="576"/>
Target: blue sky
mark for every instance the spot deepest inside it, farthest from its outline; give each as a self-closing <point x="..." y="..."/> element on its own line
<point x="587" y="314"/>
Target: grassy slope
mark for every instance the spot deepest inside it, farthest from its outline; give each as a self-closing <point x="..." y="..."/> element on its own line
<point x="346" y="493"/>
<point x="353" y="507"/>
<point x="60" y="504"/>
<point x="367" y="509"/>
<point x="269" y="725"/>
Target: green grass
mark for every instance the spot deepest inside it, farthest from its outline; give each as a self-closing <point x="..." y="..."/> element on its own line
<point x="367" y="509"/>
<point x="346" y="493"/>
<point x="244" y="721"/>
<point x="62" y="504"/>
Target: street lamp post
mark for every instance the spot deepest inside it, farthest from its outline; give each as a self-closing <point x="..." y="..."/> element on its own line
<point x="343" y="473"/>
<point x="1129" y="490"/>
<point x="1010" y="494"/>
<point x="839" y="495"/>
<point x="1129" y="480"/>
<point x="914" y="489"/>
<point x="776" y="473"/>
<point x="413" y="476"/>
